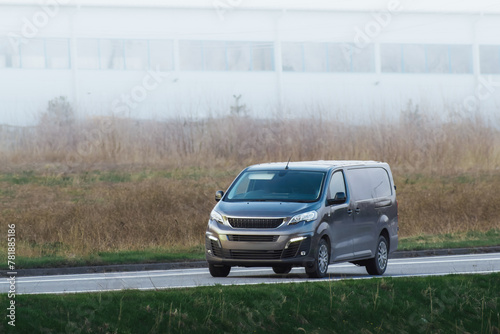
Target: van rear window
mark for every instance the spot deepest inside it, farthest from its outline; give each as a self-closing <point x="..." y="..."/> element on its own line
<point x="273" y="185"/>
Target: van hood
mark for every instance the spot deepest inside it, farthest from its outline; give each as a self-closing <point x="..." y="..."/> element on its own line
<point x="263" y="209"/>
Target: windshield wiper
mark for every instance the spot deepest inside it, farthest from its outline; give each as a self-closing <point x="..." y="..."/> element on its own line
<point x="260" y="200"/>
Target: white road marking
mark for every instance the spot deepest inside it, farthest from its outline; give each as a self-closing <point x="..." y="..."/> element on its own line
<point x="64" y="278"/>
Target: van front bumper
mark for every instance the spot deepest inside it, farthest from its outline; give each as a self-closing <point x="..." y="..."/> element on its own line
<point x="258" y="250"/>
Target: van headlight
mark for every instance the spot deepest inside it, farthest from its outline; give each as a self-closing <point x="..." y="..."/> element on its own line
<point x="303" y="217"/>
<point x="214" y="215"/>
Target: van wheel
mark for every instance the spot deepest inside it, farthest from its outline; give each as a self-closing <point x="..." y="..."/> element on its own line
<point x="378" y="264"/>
<point x="320" y="265"/>
<point x="219" y="270"/>
<point x="282" y="270"/>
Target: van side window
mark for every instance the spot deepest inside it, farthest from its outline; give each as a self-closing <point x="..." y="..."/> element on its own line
<point x="368" y="183"/>
<point x="359" y="180"/>
<point x="380" y="183"/>
<point x="337" y="184"/>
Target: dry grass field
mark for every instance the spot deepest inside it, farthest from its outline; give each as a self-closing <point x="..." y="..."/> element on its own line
<point x="80" y="187"/>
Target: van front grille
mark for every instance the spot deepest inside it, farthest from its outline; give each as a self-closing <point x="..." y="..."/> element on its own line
<point x="253" y="238"/>
<point x="255" y="222"/>
<point x="256" y="254"/>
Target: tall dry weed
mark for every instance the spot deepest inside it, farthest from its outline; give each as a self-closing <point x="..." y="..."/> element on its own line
<point x="415" y="144"/>
<point x="108" y="217"/>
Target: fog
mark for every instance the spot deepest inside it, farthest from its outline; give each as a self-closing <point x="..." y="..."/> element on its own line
<point x="355" y="61"/>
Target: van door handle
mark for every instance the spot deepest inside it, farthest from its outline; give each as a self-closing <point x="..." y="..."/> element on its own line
<point x="349" y="212"/>
<point x="358" y="210"/>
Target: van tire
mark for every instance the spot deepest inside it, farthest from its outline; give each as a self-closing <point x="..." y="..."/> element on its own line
<point x="378" y="264"/>
<point x="319" y="268"/>
<point x="282" y="270"/>
<point x="219" y="270"/>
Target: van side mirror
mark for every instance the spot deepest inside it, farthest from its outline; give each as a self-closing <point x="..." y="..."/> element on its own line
<point x="339" y="198"/>
<point x="218" y="195"/>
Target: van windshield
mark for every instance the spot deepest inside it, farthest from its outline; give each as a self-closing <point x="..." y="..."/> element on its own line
<point x="279" y="186"/>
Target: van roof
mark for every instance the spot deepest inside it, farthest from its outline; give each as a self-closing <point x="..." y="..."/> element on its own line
<point x="314" y="165"/>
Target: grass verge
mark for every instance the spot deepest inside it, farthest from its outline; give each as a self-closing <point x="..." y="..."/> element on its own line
<point x="451" y="240"/>
<point x="156" y="255"/>
<point x="454" y="303"/>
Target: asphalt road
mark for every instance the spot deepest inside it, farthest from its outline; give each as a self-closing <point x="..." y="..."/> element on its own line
<point x="168" y="279"/>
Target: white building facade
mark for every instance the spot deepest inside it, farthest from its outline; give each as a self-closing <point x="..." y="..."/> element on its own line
<point x="355" y="60"/>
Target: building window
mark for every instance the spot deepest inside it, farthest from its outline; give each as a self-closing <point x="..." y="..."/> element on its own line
<point x="339" y="57"/>
<point x="112" y="54"/>
<point x="191" y="55"/>
<point x="262" y="56"/>
<point x="391" y="58"/>
<point x="437" y="59"/>
<point x="33" y="54"/>
<point x="136" y="55"/>
<point x="363" y="59"/>
<point x="327" y="57"/>
<point x="214" y="53"/>
<point x="88" y="54"/>
<point x="238" y="56"/>
<point x="9" y="54"/>
<point x="36" y="53"/>
<point x="161" y="55"/>
<point x="292" y="57"/>
<point x="349" y="58"/>
<point x="460" y="58"/>
<point x="489" y="56"/>
<point x="225" y="56"/>
<point x="315" y="57"/>
<point x="420" y="58"/>
<point x="57" y="52"/>
<point x="414" y="58"/>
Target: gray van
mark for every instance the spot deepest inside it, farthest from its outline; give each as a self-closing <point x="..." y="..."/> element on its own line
<point x="306" y="214"/>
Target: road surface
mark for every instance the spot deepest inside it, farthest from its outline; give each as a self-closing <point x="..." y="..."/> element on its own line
<point x="168" y="279"/>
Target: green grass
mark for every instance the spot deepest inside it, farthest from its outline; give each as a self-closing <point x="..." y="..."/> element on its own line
<point x="446" y="304"/>
<point x="53" y="178"/>
<point x="451" y="240"/>
<point x="157" y="255"/>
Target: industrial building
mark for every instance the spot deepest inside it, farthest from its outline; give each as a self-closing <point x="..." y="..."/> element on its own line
<point x="353" y="60"/>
